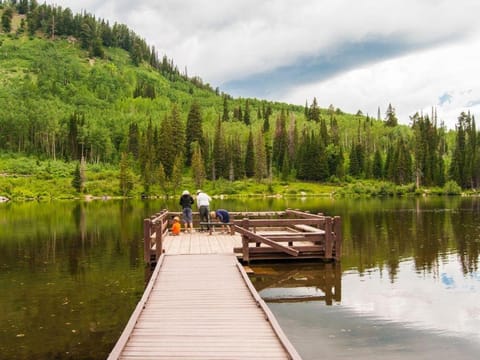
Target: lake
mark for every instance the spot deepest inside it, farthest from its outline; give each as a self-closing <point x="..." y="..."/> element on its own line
<point x="408" y="285"/>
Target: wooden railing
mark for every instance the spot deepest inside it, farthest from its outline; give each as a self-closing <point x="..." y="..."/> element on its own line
<point x="306" y="236"/>
<point x="155" y="229"/>
<point x="276" y="234"/>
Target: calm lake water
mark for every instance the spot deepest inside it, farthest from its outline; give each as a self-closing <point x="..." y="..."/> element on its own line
<point x="408" y="285"/>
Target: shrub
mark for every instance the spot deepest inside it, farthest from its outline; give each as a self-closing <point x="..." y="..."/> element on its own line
<point x="452" y="188"/>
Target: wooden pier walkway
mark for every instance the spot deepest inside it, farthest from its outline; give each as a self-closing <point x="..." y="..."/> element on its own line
<point x="199" y="302"/>
<point x="202" y="306"/>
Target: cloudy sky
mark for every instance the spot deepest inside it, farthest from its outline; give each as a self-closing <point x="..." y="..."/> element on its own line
<point x="356" y="55"/>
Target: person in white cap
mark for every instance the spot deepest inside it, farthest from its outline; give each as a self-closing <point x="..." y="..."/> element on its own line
<point x="186" y="201"/>
<point x="203" y="203"/>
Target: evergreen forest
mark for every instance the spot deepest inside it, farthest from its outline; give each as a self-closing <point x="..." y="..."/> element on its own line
<point x="89" y="107"/>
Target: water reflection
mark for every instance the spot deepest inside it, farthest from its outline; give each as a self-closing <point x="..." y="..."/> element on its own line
<point x="306" y="282"/>
<point x="424" y="231"/>
<point x="408" y="287"/>
<point x="443" y="301"/>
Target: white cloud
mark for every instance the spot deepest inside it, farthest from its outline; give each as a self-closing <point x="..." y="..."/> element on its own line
<point x="229" y="40"/>
<point x="410" y="83"/>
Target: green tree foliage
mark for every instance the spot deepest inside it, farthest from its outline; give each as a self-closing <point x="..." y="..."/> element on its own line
<point x="246" y="114"/>
<point x="7" y="20"/>
<point x="78" y="181"/>
<point x="260" y="170"/>
<point x="198" y="167"/>
<point x="162" y="179"/>
<point x="314" y="111"/>
<point x="98" y="90"/>
<point x="126" y="175"/>
<point x="225" y="116"/>
<point x="399" y="163"/>
<point x="280" y="141"/>
<point x="428" y="160"/>
<point x="194" y="131"/>
<point x="219" y="155"/>
<point x="464" y="166"/>
<point x="391" y="118"/>
<point x="133" y="140"/>
<point x="250" y="157"/>
<point x="357" y="161"/>
<point x="235" y="160"/>
<point x="171" y="140"/>
<point x="177" y="171"/>
<point x="377" y="165"/>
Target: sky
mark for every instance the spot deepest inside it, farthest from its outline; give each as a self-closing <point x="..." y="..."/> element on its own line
<point x="354" y="55"/>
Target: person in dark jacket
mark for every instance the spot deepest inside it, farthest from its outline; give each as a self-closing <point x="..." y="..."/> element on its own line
<point x="223" y="216"/>
<point x="186" y="201"/>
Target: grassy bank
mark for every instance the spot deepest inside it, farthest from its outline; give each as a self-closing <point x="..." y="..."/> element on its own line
<point x="27" y="178"/>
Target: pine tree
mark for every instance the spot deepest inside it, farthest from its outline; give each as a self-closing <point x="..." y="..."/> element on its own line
<point x="7" y="16"/>
<point x="225" y="109"/>
<point x="391" y="118"/>
<point x="324" y="133"/>
<point x="280" y="141"/>
<point x="335" y="160"/>
<point x="292" y="139"/>
<point x="198" y="167"/>
<point x="260" y="157"/>
<point x="246" y="114"/>
<point x="377" y="171"/>
<point x="457" y="165"/>
<point x="390" y="164"/>
<point x="125" y="175"/>
<point x="403" y="173"/>
<point x="77" y="181"/>
<point x="236" y="159"/>
<point x="314" y="112"/>
<point x="171" y="140"/>
<point x="219" y="152"/>
<point x="162" y="179"/>
<point x="357" y="160"/>
<point x="147" y="158"/>
<point x="133" y="140"/>
<point x="177" y="171"/>
<point x="194" y="132"/>
<point x="250" y="157"/>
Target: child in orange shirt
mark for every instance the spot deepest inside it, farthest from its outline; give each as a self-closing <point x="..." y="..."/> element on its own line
<point x="176" y="227"/>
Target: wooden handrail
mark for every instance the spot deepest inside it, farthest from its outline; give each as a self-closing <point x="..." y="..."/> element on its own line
<point x="122" y="341"/>
<point x="258" y="238"/>
<point x="292" y="352"/>
<point x="282" y="222"/>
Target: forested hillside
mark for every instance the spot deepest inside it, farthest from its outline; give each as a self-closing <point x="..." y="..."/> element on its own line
<point x="78" y="90"/>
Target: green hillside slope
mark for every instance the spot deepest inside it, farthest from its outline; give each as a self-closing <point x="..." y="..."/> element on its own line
<point x="92" y="103"/>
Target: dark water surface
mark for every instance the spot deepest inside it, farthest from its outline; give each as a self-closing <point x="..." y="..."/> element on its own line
<point x="408" y="286"/>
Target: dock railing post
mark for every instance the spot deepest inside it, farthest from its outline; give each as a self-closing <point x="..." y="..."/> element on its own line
<point x="245" y="241"/>
<point x="146" y="240"/>
<point x="328" y="238"/>
<point x="159" y="239"/>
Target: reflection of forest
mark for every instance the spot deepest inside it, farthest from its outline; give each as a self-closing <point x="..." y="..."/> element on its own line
<point x="426" y="232"/>
<point x="323" y="277"/>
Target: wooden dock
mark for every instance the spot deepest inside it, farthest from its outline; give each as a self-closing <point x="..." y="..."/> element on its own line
<point x="201" y="307"/>
<point x="278" y="235"/>
<point x="199" y="302"/>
